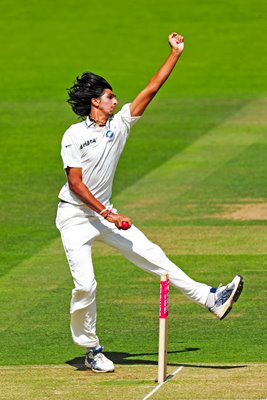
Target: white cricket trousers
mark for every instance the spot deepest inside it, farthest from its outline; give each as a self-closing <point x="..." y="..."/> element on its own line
<point x="78" y="230"/>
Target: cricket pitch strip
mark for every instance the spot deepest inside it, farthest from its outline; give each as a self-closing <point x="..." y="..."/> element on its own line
<point x="135" y="382"/>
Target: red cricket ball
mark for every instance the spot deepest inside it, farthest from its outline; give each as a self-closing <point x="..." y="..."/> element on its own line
<point x="125" y="225"/>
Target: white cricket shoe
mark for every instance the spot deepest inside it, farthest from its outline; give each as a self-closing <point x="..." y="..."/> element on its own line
<point x="224" y="297"/>
<point x="97" y="362"/>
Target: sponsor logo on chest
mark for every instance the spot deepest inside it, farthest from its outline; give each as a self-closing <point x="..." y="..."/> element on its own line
<point x="109" y="137"/>
<point x="87" y="143"/>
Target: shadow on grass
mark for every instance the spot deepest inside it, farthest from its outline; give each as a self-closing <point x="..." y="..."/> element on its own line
<point x="213" y="366"/>
<point x="125" y="359"/>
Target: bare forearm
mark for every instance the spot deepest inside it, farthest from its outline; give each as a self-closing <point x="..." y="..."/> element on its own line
<point x="164" y="72"/>
<point x="142" y="100"/>
<point x="82" y="191"/>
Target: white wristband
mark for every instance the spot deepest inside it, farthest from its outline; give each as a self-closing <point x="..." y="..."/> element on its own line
<point x="101" y="212"/>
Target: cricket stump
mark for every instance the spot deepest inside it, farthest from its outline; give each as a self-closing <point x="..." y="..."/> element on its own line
<point x="163" y="327"/>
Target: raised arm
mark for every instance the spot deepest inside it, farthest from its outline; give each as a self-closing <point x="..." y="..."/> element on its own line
<point x="142" y="100"/>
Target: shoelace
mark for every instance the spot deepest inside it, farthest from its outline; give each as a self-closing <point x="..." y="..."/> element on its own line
<point x="223" y="295"/>
<point x="100" y="357"/>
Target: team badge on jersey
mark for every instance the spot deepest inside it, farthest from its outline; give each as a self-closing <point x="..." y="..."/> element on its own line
<point x="110" y="135"/>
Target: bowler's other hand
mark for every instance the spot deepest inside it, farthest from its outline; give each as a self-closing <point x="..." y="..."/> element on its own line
<point x="176" y="42"/>
<point x="118" y="220"/>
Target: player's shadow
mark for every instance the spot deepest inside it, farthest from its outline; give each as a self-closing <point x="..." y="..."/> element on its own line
<point x="125" y="358"/>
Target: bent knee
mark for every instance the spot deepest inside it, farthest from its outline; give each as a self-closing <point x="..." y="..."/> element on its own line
<point x="84" y="289"/>
<point x="83" y="296"/>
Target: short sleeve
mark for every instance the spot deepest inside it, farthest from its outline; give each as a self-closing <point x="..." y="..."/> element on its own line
<point x="124" y="120"/>
<point x="70" y="152"/>
<point x="126" y="116"/>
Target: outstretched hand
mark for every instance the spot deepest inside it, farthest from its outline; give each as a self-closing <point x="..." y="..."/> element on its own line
<point x="176" y="41"/>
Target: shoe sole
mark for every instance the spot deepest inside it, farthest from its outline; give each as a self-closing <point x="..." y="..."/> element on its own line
<point x="235" y="297"/>
<point x="107" y="371"/>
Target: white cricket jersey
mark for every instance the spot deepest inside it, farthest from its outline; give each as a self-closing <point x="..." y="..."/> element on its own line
<point x="96" y="149"/>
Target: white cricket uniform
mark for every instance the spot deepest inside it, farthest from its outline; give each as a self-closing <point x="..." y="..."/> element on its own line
<point x="97" y="150"/>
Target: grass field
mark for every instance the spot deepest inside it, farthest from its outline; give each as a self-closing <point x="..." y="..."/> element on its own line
<point x="192" y="176"/>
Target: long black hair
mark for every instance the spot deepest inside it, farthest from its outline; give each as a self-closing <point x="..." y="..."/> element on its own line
<point x="85" y="88"/>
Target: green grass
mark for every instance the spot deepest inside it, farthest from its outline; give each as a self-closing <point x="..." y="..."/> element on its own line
<point x="200" y="148"/>
<point x="127" y="311"/>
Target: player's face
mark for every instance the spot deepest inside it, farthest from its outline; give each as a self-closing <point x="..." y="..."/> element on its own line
<point x="108" y="102"/>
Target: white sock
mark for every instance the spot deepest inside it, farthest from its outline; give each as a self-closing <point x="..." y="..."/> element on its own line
<point x="211" y="298"/>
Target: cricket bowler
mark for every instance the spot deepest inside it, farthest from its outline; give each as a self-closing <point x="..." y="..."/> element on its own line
<point x="90" y="152"/>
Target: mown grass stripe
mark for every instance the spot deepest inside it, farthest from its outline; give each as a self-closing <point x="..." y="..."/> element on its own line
<point x="190" y="166"/>
<point x="37" y="291"/>
<point x="150" y="198"/>
<point x="32" y="283"/>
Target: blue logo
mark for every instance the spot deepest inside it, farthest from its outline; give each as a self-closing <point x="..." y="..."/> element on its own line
<point x="110" y="135"/>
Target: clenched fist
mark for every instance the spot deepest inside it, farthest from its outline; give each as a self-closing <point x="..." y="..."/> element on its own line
<point x="176" y="41"/>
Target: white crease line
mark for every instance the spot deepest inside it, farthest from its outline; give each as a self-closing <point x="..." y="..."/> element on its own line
<point x="161" y="384"/>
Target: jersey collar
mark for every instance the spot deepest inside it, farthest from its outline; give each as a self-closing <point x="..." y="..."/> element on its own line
<point x="90" y="122"/>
